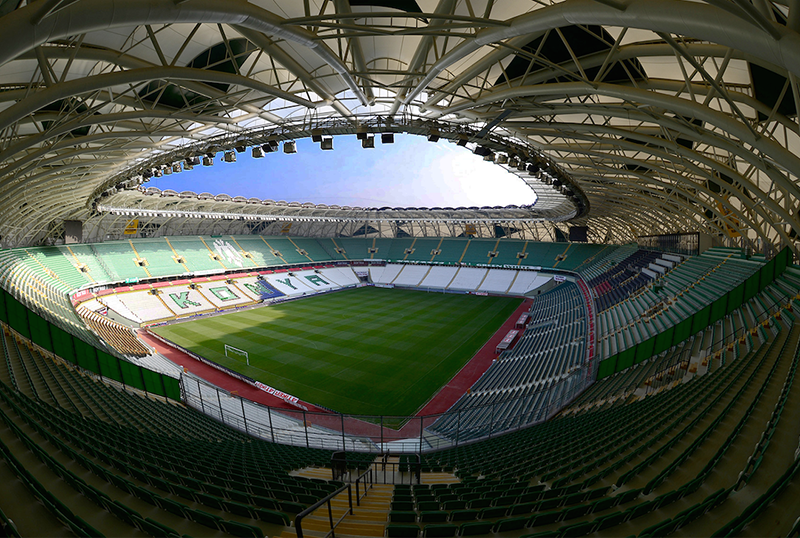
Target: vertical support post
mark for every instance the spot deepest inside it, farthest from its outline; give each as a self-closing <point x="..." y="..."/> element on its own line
<point x="271" y="429"/>
<point x="219" y="402"/>
<point x="344" y="447"/>
<point x="305" y="428"/>
<point x="458" y="425"/>
<point x="200" y="393"/>
<point x="381" y="433"/>
<point x="244" y="418"/>
<point x="421" y="426"/>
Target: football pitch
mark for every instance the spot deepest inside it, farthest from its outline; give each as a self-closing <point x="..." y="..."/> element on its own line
<point x="370" y="351"/>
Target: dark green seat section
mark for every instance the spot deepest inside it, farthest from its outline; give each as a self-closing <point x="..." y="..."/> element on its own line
<point x="133" y="464"/>
<point x="439" y="531"/>
<point x="402" y="531"/>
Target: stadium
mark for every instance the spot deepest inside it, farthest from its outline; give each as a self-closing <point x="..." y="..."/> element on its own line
<point x="615" y="359"/>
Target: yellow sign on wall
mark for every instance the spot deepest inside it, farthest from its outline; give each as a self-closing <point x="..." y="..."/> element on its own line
<point x="132" y="227"/>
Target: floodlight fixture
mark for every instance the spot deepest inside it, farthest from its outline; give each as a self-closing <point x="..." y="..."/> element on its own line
<point x="157" y="172"/>
<point x="257" y="152"/>
<point x="501" y="159"/>
<point x="176" y="167"/>
<point x="462" y="141"/>
<point x="267" y="148"/>
<point x="326" y="143"/>
<point x="208" y="161"/>
<point x="316" y="135"/>
<point x="368" y="142"/>
<point x="187" y="164"/>
<point x="387" y="138"/>
<point x="229" y="157"/>
<point x="361" y="135"/>
<point x="241" y="149"/>
<point x="433" y="136"/>
<point x="290" y="146"/>
<point x="489" y="157"/>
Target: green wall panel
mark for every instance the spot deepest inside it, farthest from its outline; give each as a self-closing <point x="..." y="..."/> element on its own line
<point x="131" y="375"/>
<point x="766" y="274"/>
<point x="625" y="359"/>
<point x="607" y="367"/>
<point x="683" y="330"/>
<point x="40" y="330"/>
<point x="663" y="341"/>
<point x="735" y="298"/>
<point x="109" y="366"/>
<point x="645" y="350"/>
<point x="718" y="309"/>
<point x="750" y="287"/>
<point x="86" y="355"/>
<point x="3" y="315"/>
<point x="700" y="319"/>
<point x="63" y="344"/>
<point x="152" y="382"/>
<point x="18" y="316"/>
<point x="173" y="387"/>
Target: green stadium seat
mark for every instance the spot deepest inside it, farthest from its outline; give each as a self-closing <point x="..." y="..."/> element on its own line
<point x="402" y="531"/>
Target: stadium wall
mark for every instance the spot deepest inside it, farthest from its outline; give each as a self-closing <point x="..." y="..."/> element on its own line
<point x="700" y="320"/>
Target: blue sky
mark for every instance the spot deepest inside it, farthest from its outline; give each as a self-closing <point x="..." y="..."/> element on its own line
<point x="410" y="172"/>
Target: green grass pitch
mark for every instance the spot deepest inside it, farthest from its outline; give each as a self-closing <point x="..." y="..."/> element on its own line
<point x="364" y="351"/>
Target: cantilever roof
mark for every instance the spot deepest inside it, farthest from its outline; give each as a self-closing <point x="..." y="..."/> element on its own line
<point x="668" y="114"/>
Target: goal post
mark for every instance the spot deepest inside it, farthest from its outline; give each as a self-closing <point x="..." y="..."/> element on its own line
<point x="236" y="352"/>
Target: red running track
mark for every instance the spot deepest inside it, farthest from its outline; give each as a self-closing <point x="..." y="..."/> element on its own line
<point x="439" y="403"/>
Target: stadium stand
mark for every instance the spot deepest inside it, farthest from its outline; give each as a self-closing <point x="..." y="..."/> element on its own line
<point x="411" y="275"/>
<point x="117" y="336"/>
<point x="515" y="390"/>
<point x="438" y="277"/>
<point x="497" y="281"/>
<point x="468" y="279"/>
<point x="385" y="274"/>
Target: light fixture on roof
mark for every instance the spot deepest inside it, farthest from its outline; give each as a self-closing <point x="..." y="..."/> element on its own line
<point x="188" y="164"/>
<point x="208" y="161"/>
<point x="326" y="143"/>
<point x="257" y="152"/>
<point x="368" y="142"/>
<point x="157" y="172"/>
<point x="387" y="138"/>
<point x="229" y="156"/>
<point x="176" y="167"/>
<point x="316" y="135"/>
<point x="240" y="149"/>
<point x="462" y="141"/>
<point x="267" y="148"/>
<point x="290" y="146"/>
<point x="433" y="136"/>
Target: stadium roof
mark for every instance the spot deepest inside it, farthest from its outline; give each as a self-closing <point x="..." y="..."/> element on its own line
<point x="654" y="116"/>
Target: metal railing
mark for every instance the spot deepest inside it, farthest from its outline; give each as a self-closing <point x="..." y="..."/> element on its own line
<point x="367" y="478"/>
<point x="298" y="520"/>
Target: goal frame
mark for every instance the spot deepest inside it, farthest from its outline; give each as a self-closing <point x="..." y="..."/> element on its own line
<point x="238" y="351"/>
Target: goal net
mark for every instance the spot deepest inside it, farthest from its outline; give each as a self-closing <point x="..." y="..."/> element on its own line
<point x="235" y="352"/>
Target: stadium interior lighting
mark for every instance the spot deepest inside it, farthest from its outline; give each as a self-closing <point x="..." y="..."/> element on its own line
<point x="188" y="165"/>
<point x="240" y="149"/>
<point x="229" y="157"/>
<point x="368" y="142"/>
<point x="267" y="148"/>
<point x="257" y="152"/>
<point x="326" y="143"/>
<point x="176" y="167"/>
<point x="290" y="146"/>
<point x="462" y="141"/>
<point x="387" y="138"/>
<point x="157" y="172"/>
<point x="433" y="137"/>
<point x="208" y="161"/>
